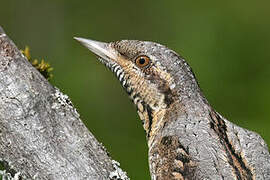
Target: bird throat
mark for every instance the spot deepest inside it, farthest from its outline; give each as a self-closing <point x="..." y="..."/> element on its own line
<point x="151" y="97"/>
<point x="150" y="104"/>
<point x="151" y="120"/>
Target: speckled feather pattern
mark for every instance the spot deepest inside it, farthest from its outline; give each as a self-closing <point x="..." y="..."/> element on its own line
<point x="187" y="138"/>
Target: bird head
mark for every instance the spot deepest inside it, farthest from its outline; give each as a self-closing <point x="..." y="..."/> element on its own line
<point x="154" y="76"/>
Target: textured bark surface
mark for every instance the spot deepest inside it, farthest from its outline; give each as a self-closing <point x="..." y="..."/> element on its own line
<point x="41" y="134"/>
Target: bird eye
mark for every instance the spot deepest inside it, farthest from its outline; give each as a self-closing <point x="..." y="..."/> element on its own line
<point x="142" y="61"/>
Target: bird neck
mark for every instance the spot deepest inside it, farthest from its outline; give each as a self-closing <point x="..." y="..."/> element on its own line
<point x="181" y="108"/>
<point x="186" y="100"/>
<point x="171" y="93"/>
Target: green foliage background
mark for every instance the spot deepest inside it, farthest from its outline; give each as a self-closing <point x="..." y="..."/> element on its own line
<point x="227" y="43"/>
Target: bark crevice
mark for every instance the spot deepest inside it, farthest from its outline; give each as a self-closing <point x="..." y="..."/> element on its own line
<point x="41" y="133"/>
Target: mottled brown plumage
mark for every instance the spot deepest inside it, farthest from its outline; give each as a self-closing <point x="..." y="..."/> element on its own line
<point x="187" y="138"/>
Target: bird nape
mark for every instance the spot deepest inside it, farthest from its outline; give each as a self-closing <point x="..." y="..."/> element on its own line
<point x="187" y="138"/>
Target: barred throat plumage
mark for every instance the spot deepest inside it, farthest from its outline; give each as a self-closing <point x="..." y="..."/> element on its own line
<point x="150" y="91"/>
<point x="144" y="110"/>
<point x="118" y="72"/>
<point x="147" y="75"/>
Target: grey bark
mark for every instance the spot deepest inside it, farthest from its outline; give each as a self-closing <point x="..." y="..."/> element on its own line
<point x="41" y="134"/>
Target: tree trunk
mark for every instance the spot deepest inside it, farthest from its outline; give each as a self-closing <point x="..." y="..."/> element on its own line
<point x="41" y="133"/>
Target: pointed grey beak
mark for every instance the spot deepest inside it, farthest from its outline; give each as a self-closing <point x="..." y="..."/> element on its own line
<point x="101" y="49"/>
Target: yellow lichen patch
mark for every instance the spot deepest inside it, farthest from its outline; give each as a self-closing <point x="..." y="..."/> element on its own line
<point x="43" y="67"/>
<point x="26" y="52"/>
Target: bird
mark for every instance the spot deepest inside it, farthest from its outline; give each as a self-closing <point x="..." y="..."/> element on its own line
<point x="186" y="137"/>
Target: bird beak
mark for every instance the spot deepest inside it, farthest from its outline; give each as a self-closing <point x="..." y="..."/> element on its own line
<point x="101" y="49"/>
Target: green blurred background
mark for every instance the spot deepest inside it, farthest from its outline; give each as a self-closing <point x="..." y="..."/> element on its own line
<point x="227" y="43"/>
